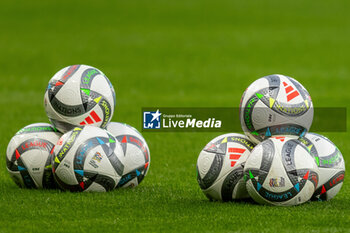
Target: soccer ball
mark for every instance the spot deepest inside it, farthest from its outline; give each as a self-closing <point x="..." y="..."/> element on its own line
<point x="275" y="105"/>
<point x="280" y="171"/>
<point x="88" y="159"/>
<point x="331" y="165"/>
<point x="28" y="156"/>
<point x="79" y="95"/>
<point x="220" y="167"/>
<point x="136" y="153"/>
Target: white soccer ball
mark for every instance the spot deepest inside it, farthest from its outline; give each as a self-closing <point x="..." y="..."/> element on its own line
<point x="220" y="167"/>
<point x="88" y="159"/>
<point x="280" y="171"/>
<point x="28" y="156"/>
<point x="79" y="95"/>
<point x="135" y="151"/>
<point x="330" y="163"/>
<point x="275" y="105"/>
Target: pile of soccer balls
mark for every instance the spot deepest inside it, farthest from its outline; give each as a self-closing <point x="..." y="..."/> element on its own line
<point x="277" y="161"/>
<point x="93" y="154"/>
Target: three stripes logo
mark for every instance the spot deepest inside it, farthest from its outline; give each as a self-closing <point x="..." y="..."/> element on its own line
<point x="235" y="154"/>
<point x="281" y="138"/>
<point x="93" y="118"/>
<point x="290" y="91"/>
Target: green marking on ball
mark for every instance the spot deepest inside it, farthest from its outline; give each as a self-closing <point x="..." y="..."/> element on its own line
<point x="255" y="133"/>
<point x="259" y="95"/>
<point x="317" y="161"/>
<point x="251" y="175"/>
<point x="86" y="91"/>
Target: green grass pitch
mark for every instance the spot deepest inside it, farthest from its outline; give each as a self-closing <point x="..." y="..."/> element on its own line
<point x="182" y="53"/>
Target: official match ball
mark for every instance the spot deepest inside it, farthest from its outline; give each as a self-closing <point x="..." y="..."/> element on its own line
<point x="280" y="171"/>
<point x="331" y="165"/>
<point x="220" y="167"/>
<point x="88" y="159"/>
<point x="275" y="105"/>
<point x="79" y="95"/>
<point x="135" y="151"/>
<point x="28" y="156"/>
